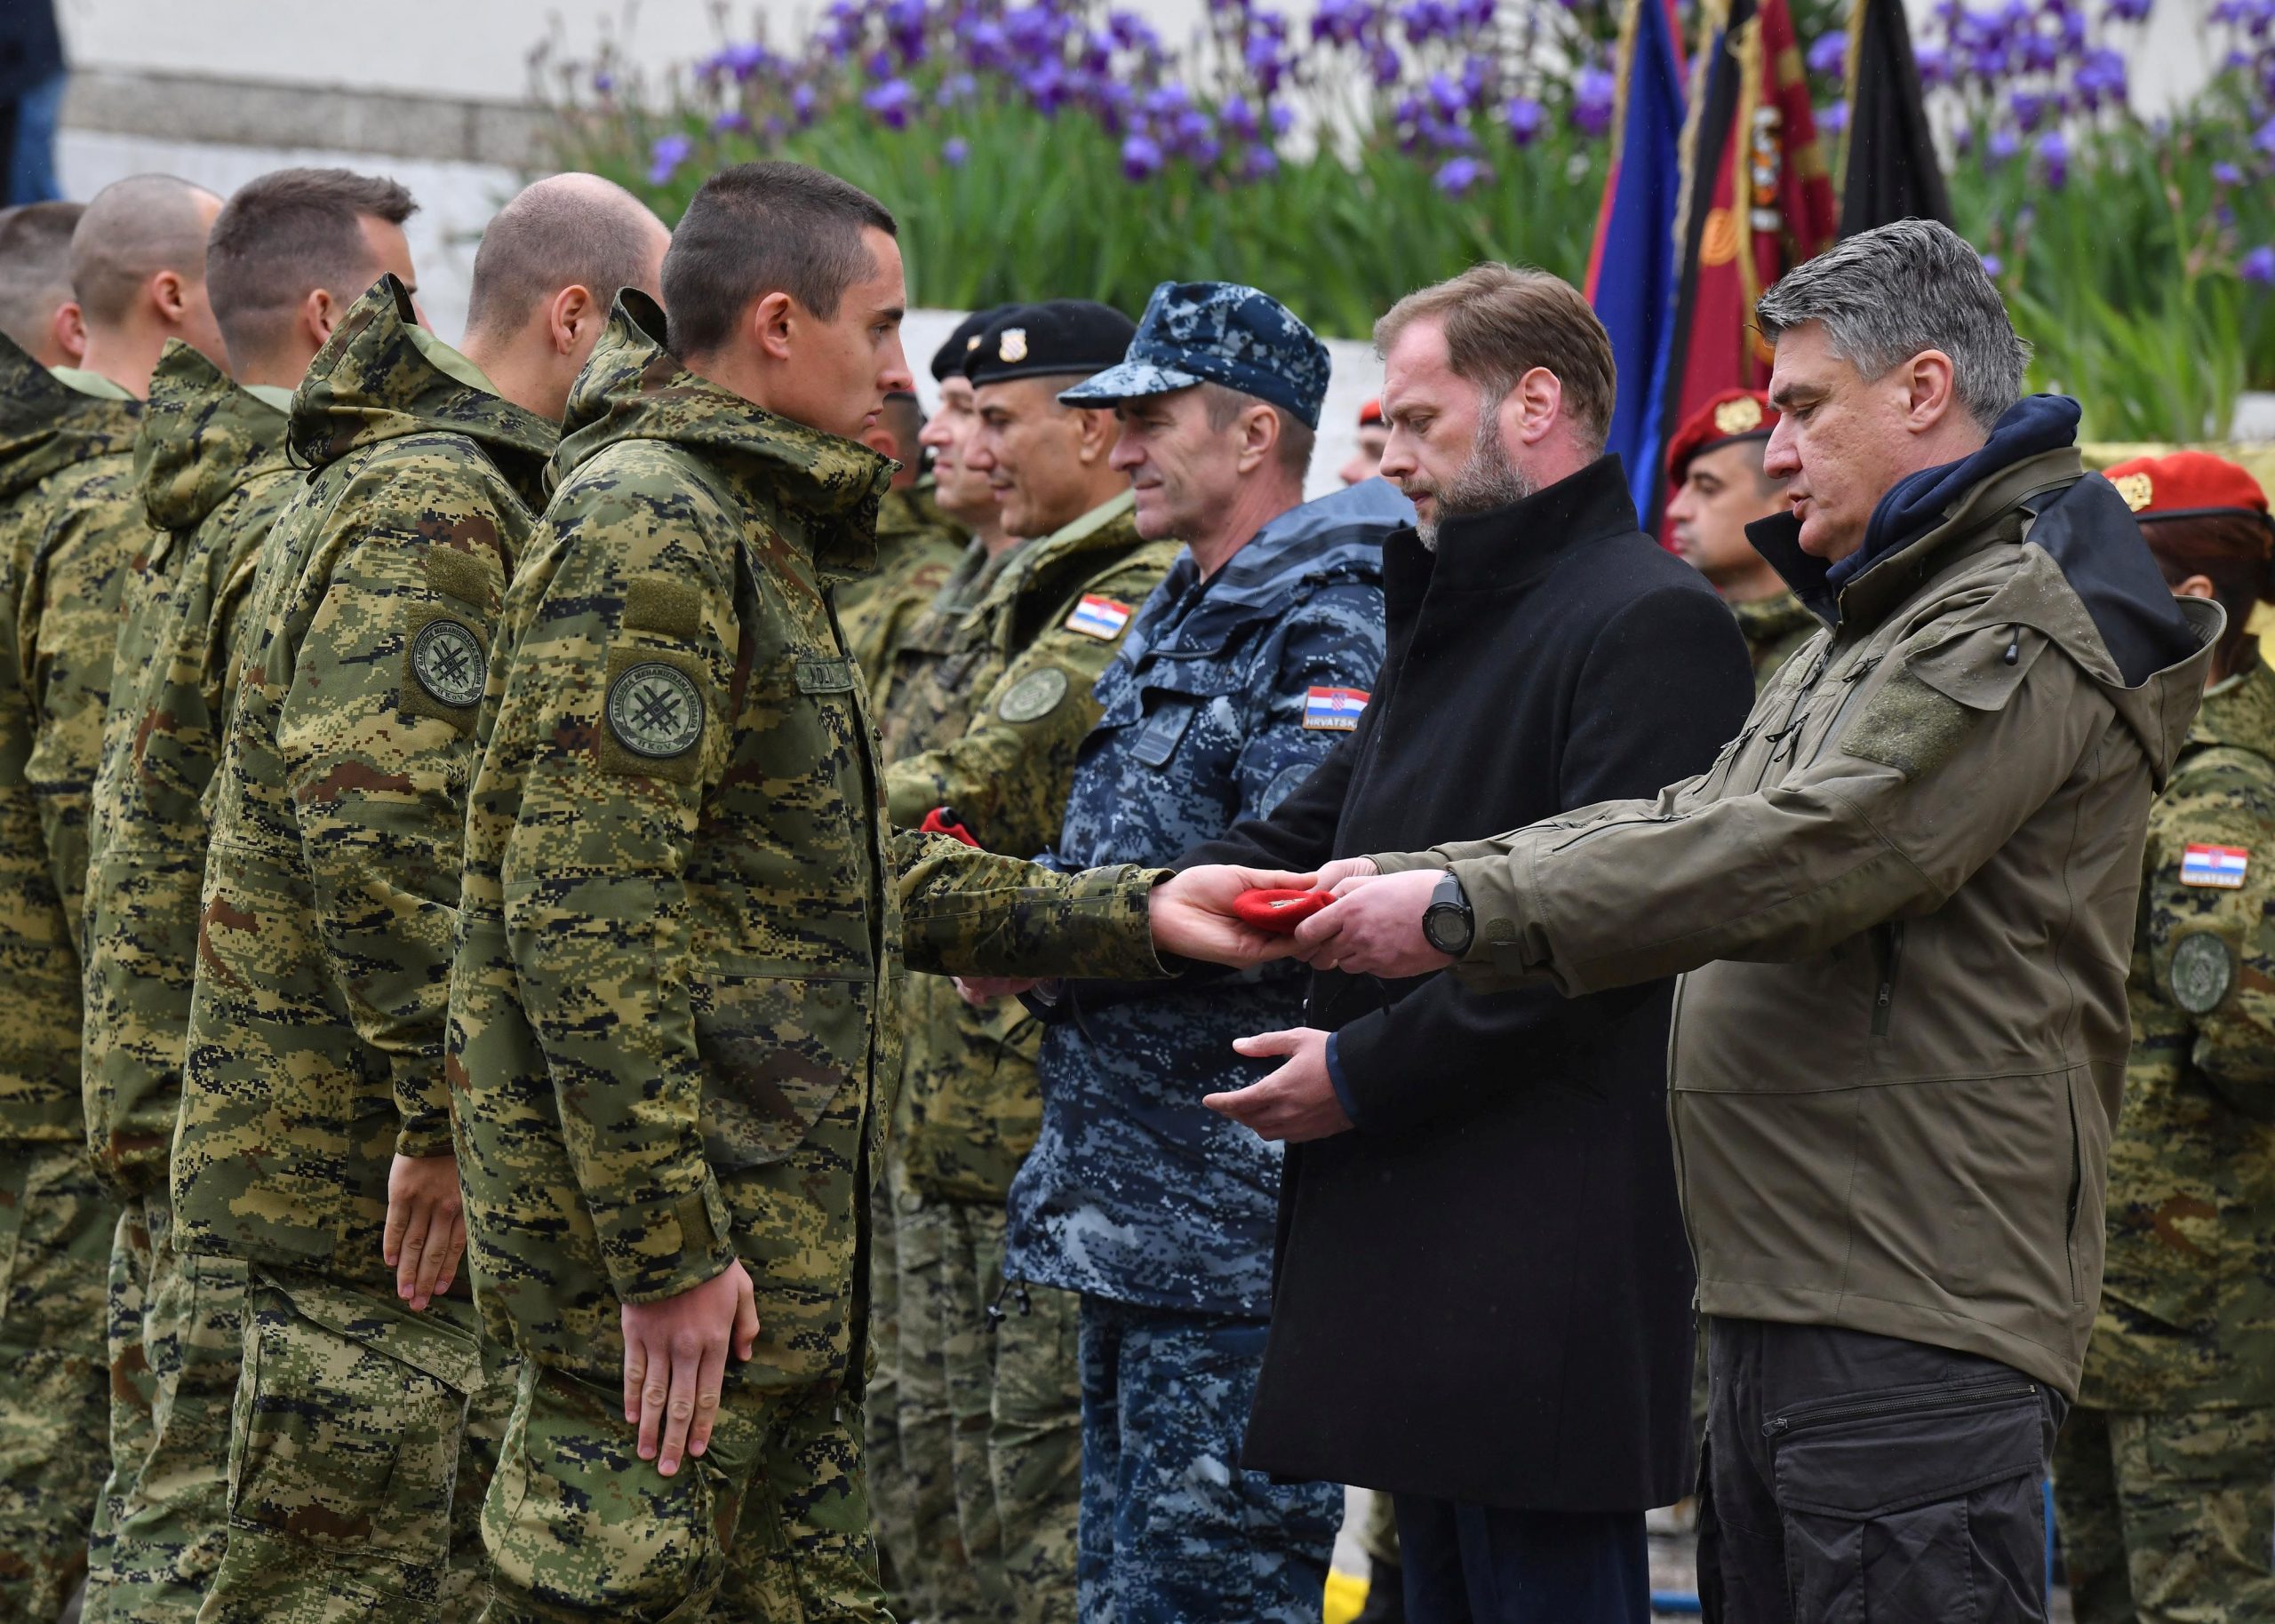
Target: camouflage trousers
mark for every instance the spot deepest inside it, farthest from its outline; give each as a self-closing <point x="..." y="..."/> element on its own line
<point x="55" y="1233"/>
<point x="176" y="1342"/>
<point x="892" y="1498"/>
<point x="2167" y="1516"/>
<point x="361" y="1444"/>
<point x="1174" y="1530"/>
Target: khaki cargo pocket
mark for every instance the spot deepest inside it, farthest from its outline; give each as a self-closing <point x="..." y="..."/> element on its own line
<point x="1916" y="1503"/>
<point x="777" y="1050"/>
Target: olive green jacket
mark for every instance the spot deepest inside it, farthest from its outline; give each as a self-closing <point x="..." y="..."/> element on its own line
<point x="71" y="525"/>
<point x="213" y="473"/>
<point x="1903" y="900"/>
<point x="332" y="883"/>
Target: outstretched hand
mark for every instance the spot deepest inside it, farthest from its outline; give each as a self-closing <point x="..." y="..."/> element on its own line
<point x="675" y="1362"/>
<point x="1192" y="915"/>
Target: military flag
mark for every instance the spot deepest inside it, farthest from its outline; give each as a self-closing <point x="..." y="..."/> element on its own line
<point x="1892" y="170"/>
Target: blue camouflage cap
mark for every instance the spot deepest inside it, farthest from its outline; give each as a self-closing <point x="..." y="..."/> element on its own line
<point x="1217" y="333"/>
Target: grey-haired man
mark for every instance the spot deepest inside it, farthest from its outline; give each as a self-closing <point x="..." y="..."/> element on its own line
<point x="1903" y="902"/>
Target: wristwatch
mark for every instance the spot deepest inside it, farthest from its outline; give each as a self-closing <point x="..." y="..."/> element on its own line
<point x="1448" y="923"/>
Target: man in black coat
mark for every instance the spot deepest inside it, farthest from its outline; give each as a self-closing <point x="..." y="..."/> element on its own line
<point x="1482" y="1302"/>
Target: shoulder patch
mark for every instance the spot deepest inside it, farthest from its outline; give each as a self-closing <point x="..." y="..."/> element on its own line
<point x="654" y="709"/>
<point x="1334" y="710"/>
<point x="674" y="609"/>
<point x="445" y="666"/>
<point x="2222" y="867"/>
<point x="1099" y="617"/>
<point x="2202" y="972"/>
<point x="1285" y="783"/>
<point x="1034" y="695"/>
<point x="1909" y="725"/>
<point x="458" y="575"/>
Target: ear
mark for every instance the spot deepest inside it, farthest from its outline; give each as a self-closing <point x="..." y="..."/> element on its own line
<point x="1095" y="432"/>
<point x="1259" y="437"/>
<point x="1930" y="390"/>
<point x="1534" y="407"/>
<point x="2196" y="587"/>
<point x="171" y="294"/>
<point x="319" y="315"/>
<point x="567" y="315"/>
<point x="69" y="328"/>
<point x="771" y="324"/>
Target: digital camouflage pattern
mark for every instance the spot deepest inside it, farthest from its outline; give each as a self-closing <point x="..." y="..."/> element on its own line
<point x="680" y="761"/>
<point x="1218" y="333"/>
<point x="1134" y="1191"/>
<point x="1023" y="1376"/>
<point x="918" y="548"/>
<point x="363" y="1440"/>
<point x="316" y="1028"/>
<point x="2164" y="1515"/>
<point x="988" y="708"/>
<point x="68" y="525"/>
<point x="211" y="463"/>
<point x="2162" y="1476"/>
<point x="1776" y="628"/>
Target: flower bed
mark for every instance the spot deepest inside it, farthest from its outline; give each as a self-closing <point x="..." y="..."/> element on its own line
<point x="1063" y="147"/>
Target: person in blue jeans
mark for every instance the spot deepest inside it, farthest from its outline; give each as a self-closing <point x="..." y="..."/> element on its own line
<point x="31" y="101"/>
<point x="1245" y="666"/>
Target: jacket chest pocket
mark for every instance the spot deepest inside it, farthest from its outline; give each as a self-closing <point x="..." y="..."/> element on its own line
<point x="1162" y="731"/>
<point x="795" y="779"/>
<point x="778" y="1053"/>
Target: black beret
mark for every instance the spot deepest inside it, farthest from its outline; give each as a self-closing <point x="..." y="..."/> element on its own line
<point x="948" y="360"/>
<point x="1056" y="337"/>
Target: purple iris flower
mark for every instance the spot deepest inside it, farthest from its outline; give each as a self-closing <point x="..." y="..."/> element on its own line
<point x="1993" y="266"/>
<point x="1383" y="62"/>
<point x="1260" y="163"/>
<point x="743" y="62"/>
<point x="2265" y="139"/>
<point x="956" y="88"/>
<point x="955" y="151"/>
<point x="665" y="156"/>
<point x="604" y="82"/>
<point x="1935" y="64"/>
<point x="2258" y="265"/>
<point x="1446" y="96"/>
<point x="1524" y="117"/>
<point x="1426" y="19"/>
<point x="1240" y="118"/>
<point x="2101" y="78"/>
<point x="1459" y="175"/>
<point x="2030" y="107"/>
<point x="1829" y="55"/>
<point x="1280" y="117"/>
<point x="1046" y="88"/>
<point x="2128" y="11"/>
<point x="1265" y="63"/>
<point x="2226" y="174"/>
<point x="2054" y="156"/>
<point x="734" y="121"/>
<point x="1141" y="157"/>
<point x="1834" y="119"/>
<point x="2003" y="144"/>
<point x="890" y="102"/>
<point x="2040" y="52"/>
<point x="802" y="102"/>
<point x="1595" y="93"/>
<point x="985" y="44"/>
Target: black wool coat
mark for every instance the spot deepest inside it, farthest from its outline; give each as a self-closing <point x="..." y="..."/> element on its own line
<point x="1483" y="1293"/>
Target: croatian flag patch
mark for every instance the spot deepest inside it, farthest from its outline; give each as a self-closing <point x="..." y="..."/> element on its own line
<point x="1335" y="709"/>
<point x="2214" y="865"/>
<point x="1099" y="618"/>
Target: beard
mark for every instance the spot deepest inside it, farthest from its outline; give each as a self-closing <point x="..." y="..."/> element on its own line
<point x="1487" y="481"/>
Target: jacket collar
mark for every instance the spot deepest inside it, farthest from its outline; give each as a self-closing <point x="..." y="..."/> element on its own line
<point x="2240" y="710"/>
<point x="201" y="437"/>
<point x="634" y="388"/>
<point x="46" y="426"/>
<point x="1518" y="542"/>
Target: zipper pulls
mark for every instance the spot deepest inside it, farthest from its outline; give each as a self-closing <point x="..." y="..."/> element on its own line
<point x="1016" y="1290"/>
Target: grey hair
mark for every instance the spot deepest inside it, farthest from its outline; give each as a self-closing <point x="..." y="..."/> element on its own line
<point x="1887" y="294"/>
<point x="1223" y="406"/>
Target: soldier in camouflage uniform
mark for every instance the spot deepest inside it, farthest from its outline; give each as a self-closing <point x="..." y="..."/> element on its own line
<point x="683" y="933"/>
<point x="990" y="701"/>
<point x="1242" y="669"/>
<point x="212" y="467"/>
<point x="2164" y="1471"/>
<point x="918" y="544"/>
<point x="1714" y="472"/>
<point x="71" y="524"/>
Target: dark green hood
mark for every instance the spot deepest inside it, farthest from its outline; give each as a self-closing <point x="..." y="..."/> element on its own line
<point x="45" y="426"/>
<point x="372" y="383"/>
<point x="634" y="388"/>
<point x="202" y="438"/>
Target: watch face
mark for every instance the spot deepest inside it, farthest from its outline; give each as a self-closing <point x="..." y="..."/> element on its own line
<point x="1446" y="926"/>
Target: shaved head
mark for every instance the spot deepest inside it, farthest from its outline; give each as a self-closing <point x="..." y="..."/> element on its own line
<point x="564" y="231"/>
<point x="35" y="270"/>
<point x="134" y="229"/>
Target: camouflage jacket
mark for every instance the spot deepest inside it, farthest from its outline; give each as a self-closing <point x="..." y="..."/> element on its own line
<point x="2187" y="1312"/>
<point x="315" y="1027"/>
<point x="1226" y="695"/>
<point x="211" y="465"/>
<point x="990" y="699"/>
<point x="918" y="548"/>
<point x="1775" y="630"/>
<point x="683" y="911"/>
<point x="69" y="525"/>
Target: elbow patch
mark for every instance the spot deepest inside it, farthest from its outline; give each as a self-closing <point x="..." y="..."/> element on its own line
<point x="1921" y="715"/>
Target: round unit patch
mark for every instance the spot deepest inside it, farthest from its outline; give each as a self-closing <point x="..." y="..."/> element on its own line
<point x="2202" y="972"/>
<point x="1035" y="695"/>
<point x="655" y="711"/>
<point x="448" y="660"/>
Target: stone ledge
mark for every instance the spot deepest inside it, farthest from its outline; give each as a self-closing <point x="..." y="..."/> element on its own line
<point x="255" y="113"/>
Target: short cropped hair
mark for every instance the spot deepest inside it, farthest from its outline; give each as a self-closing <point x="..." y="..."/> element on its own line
<point x="1887" y="294"/>
<point x="1501" y="321"/>
<point x="34" y="268"/>
<point x="1223" y="407"/>
<point x="761" y="228"/>
<point x="133" y="229"/>
<point x="567" y="229"/>
<point x="283" y="234"/>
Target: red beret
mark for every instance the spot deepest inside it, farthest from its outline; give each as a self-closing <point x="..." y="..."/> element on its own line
<point x="2186" y="485"/>
<point x="1370" y="414"/>
<point x="1733" y="415"/>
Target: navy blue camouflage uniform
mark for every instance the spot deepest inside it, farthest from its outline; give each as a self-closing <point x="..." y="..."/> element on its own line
<point x="1227" y="692"/>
